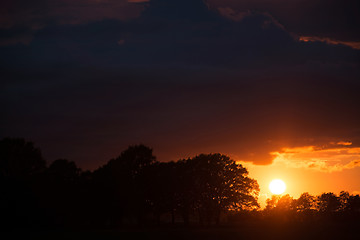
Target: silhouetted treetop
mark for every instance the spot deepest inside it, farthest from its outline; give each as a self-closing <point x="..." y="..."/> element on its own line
<point x="328" y="202"/>
<point x="133" y="160"/>
<point x="223" y="183"/>
<point x="135" y="188"/>
<point x="63" y="170"/>
<point x="305" y="202"/>
<point x="19" y="158"/>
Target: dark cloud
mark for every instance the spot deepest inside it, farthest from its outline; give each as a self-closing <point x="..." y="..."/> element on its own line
<point x="335" y="19"/>
<point x="39" y="13"/>
<point x="32" y="16"/>
<point x="178" y="32"/>
<point x="180" y="78"/>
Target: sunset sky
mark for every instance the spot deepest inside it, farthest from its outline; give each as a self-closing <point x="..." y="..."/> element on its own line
<point x="272" y="83"/>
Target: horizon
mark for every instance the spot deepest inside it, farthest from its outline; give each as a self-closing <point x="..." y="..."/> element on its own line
<point x="272" y="84"/>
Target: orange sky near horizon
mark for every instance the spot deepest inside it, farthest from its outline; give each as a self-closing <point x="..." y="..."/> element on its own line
<point x="310" y="169"/>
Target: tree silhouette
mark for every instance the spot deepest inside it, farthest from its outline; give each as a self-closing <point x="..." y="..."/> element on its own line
<point x="344" y="200"/>
<point x="280" y="203"/>
<point x="20" y="167"/>
<point x="163" y="189"/>
<point x="272" y="202"/>
<point x="19" y="158"/>
<point x="123" y="183"/>
<point x="222" y="184"/>
<point x="305" y="206"/>
<point x="185" y="190"/>
<point x="328" y="203"/>
<point x="349" y="206"/>
<point x="354" y="204"/>
<point x="57" y="190"/>
<point x="305" y="202"/>
<point x="280" y="208"/>
<point x="285" y="203"/>
<point x="134" y="187"/>
<point x="63" y="171"/>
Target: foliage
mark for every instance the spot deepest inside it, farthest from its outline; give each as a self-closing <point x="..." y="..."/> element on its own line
<point x="19" y="158"/>
<point x="135" y="188"/>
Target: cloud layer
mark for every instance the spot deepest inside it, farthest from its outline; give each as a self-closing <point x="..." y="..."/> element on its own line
<point x="176" y="75"/>
<point x="336" y="159"/>
<point x="20" y="19"/>
<point x="333" y="19"/>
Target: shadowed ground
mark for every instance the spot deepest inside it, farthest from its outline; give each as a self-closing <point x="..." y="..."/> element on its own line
<point x="239" y="231"/>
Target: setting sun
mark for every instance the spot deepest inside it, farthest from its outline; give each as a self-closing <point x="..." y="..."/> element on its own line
<point x="277" y="186"/>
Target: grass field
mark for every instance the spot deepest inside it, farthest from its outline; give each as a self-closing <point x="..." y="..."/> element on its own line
<point x="235" y="231"/>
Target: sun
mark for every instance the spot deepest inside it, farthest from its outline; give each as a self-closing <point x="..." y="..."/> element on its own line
<point x="277" y="186"/>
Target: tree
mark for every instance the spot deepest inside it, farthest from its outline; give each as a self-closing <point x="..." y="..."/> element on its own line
<point x="272" y="202"/>
<point x="285" y="203"/>
<point x="163" y="188"/>
<point x="221" y="184"/>
<point x="20" y="166"/>
<point x="123" y="184"/>
<point x="344" y="200"/>
<point x="60" y="192"/>
<point x="20" y="159"/>
<point x="63" y="171"/>
<point x="186" y="192"/>
<point x="328" y="203"/>
<point x="280" y="203"/>
<point x="305" y="202"/>
<point x="354" y="204"/>
<point x="349" y="204"/>
<point x="280" y="208"/>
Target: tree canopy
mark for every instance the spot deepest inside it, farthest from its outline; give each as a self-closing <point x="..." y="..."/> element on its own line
<point x="19" y="158"/>
<point x="136" y="188"/>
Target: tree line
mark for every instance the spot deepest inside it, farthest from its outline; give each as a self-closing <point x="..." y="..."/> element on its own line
<point x="135" y="188"/>
<point x="326" y="206"/>
<point x="131" y="188"/>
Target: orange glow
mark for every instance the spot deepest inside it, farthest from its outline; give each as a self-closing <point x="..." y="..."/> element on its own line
<point x="325" y="160"/>
<point x="344" y="143"/>
<point x="355" y="45"/>
<point x="312" y="169"/>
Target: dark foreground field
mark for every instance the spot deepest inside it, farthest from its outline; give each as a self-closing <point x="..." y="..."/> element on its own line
<point x="235" y="231"/>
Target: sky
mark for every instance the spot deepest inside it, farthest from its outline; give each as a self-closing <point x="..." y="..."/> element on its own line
<point x="272" y="83"/>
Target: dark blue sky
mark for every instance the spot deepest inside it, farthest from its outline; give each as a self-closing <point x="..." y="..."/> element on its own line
<point x="84" y="79"/>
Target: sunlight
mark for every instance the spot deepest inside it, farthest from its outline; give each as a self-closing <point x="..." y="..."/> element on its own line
<point x="277" y="186"/>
